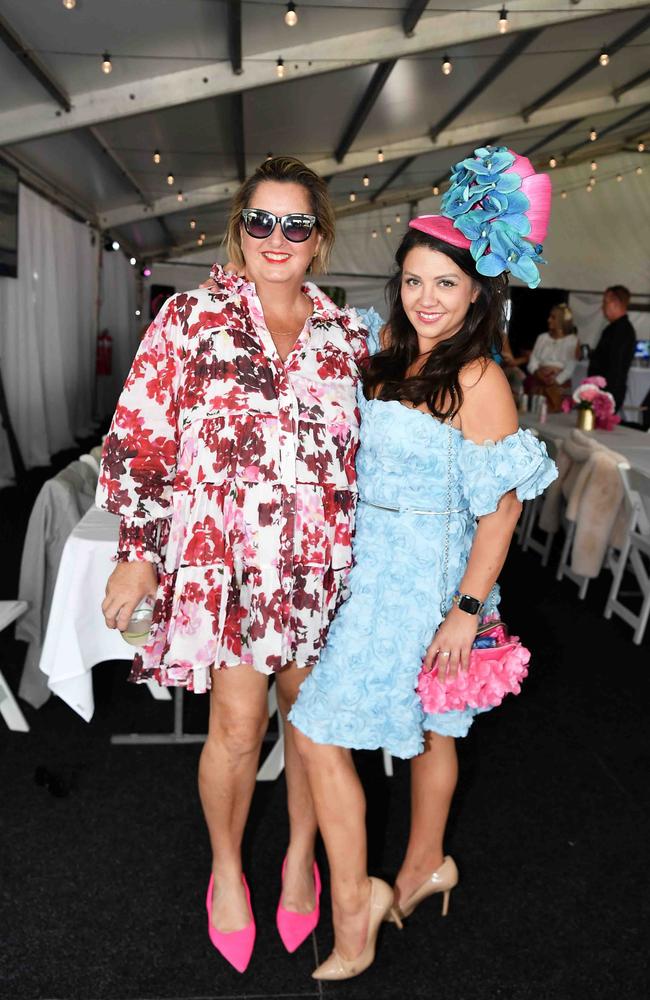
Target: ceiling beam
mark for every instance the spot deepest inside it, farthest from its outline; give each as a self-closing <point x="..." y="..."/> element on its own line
<point x="519" y="43"/>
<point x="33" y="64"/>
<point x="312" y="58"/>
<point x="463" y="135"/>
<point x="118" y="163"/>
<point x="587" y="67"/>
<point x="544" y="141"/>
<point x="609" y="128"/>
<point x="399" y="169"/>
<point x="238" y="135"/>
<point x="233" y="19"/>
<point x="412" y="15"/>
<point x="364" y="107"/>
<point x="631" y="84"/>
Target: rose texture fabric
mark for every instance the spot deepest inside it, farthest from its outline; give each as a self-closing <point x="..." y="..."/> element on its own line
<point x="234" y="473"/>
<point x="362" y="692"/>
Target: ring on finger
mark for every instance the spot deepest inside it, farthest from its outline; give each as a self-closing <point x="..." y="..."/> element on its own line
<point x="444" y="652"/>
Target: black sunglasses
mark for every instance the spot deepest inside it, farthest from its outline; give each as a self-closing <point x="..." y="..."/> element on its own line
<point x="295" y="227"/>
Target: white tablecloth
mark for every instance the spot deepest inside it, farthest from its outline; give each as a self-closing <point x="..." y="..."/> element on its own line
<point x="77" y="637"/>
<point x="632" y="444"/>
<point x="638" y="385"/>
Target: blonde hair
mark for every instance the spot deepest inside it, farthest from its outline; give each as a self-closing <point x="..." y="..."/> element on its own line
<point x="285" y="169"/>
<point x="565" y="318"/>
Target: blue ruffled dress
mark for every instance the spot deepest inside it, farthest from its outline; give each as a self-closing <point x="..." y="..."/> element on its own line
<point x="361" y="694"/>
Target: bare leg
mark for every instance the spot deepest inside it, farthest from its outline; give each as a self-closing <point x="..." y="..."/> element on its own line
<point x="434" y="774"/>
<point x="227" y="771"/>
<point x="341" y="810"/>
<point x="298" y="892"/>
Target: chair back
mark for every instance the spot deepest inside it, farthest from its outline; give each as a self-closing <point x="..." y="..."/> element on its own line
<point x="637" y="493"/>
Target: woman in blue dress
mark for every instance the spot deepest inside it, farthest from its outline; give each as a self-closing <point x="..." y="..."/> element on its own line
<point x="442" y="471"/>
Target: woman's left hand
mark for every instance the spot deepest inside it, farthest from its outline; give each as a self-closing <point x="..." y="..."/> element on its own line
<point x="452" y="644"/>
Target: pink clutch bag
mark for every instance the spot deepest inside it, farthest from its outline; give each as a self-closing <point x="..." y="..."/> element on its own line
<point x="498" y="664"/>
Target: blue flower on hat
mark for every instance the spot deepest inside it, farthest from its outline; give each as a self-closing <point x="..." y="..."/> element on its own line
<point x="508" y="252"/>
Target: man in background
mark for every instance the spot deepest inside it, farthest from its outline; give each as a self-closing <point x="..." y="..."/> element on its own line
<point x="613" y="353"/>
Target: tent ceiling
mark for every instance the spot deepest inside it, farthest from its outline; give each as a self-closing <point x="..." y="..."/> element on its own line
<point x="109" y="171"/>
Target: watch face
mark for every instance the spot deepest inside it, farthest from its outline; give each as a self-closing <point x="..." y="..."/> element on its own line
<point x="469" y="604"/>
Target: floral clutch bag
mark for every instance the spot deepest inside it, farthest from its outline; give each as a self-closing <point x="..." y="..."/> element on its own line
<point x="498" y="663"/>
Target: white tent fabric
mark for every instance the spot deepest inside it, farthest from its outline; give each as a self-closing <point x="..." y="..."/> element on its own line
<point x="47" y="332"/>
<point x="117" y="314"/>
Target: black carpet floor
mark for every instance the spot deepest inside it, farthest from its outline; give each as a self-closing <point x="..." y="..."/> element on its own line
<point x="104" y="856"/>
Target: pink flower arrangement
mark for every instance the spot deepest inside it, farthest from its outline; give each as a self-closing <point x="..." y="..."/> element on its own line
<point x="591" y="395"/>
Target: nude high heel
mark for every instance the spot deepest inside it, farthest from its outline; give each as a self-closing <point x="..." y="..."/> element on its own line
<point x="337" y="967"/>
<point x="443" y="880"/>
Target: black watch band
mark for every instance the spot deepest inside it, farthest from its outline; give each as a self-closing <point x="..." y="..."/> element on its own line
<point x="470" y="605"/>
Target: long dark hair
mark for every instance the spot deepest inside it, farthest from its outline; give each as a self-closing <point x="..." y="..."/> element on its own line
<point x="438" y="383"/>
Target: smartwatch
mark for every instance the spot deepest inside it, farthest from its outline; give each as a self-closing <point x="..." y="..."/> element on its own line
<point x="470" y="605"/>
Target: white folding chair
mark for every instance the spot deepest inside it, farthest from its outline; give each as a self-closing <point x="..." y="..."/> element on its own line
<point x="9" y="708"/>
<point x="635" y="554"/>
<point x="532" y="510"/>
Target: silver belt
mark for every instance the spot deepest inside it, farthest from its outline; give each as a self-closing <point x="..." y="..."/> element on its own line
<point x="413" y="510"/>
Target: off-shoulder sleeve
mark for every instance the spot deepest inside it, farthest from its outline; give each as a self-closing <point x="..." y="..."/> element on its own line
<point x="517" y="462"/>
<point x="372" y="322"/>
<point x="139" y="454"/>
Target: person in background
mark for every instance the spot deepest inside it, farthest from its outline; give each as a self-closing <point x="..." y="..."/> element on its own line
<point x="511" y="365"/>
<point x="614" y="352"/>
<point x="553" y="357"/>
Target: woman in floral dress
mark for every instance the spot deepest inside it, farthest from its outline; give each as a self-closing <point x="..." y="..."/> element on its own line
<point x="230" y="461"/>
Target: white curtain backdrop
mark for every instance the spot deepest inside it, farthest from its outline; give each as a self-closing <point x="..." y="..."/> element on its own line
<point x="589" y="319"/>
<point x="119" y="301"/>
<point x="47" y="333"/>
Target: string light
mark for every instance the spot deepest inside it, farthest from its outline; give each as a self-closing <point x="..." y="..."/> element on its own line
<point x="69" y="4"/>
<point x="552" y="163"/>
<point x="374" y="234"/>
<point x="639" y="171"/>
<point x="353" y="196"/>
<point x="170" y="179"/>
<point x="146" y="272"/>
<point x="619" y="178"/>
<point x="133" y="261"/>
<point x="592" y="181"/>
<point x="156" y="156"/>
<point x="380" y="156"/>
<point x="603" y="58"/>
<point x="593" y="135"/>
<point x="138" y="312"/>
<point x="589" y="188"/>
<point x="366" y="179"/>
<point x="389" y="229"/>
<point x="179" y="196"/>
<point x="503" y="21"/>
<point x="192" y="223"/>
<point x="641" y="147"/>
<point x="291" y="17"/>
<point x="115" y="245"/>
<point x="435" y="189"/>
<point x="202" y="237"/>
<point x="446" y="65"/>
<point x="107" y="65"/>
<point x="594" y="165"/>
<point x="269" y="156"/>
<point x="563" y="195"/>
<point x="279" y="68"/>
<point x="398" y="218"/>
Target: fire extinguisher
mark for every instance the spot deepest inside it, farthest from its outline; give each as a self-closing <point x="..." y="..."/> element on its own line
<point x="104" y="353"/>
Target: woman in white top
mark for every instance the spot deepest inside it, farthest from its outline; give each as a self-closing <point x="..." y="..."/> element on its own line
<point x="554" y="356"/>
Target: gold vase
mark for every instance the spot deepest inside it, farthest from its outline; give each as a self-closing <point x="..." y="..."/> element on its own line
<point x="586" y="419"/>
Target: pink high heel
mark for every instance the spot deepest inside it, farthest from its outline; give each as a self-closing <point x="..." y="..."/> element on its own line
<point x="235" y="946"/>
<point x="294" y="928"/>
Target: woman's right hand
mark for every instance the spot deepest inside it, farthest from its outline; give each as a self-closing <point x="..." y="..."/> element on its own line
<point x="128" y="585"/>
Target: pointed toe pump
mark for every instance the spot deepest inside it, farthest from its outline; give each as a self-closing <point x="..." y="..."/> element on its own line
<point x="294" y="928"/>
<point x="337" y="967"/>
<point x="235" y="946"/>
<point x="443" y="880"/>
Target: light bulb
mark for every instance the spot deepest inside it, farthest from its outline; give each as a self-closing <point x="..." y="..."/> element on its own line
<point x="552" y="163"/>
<point x="641" y="147"/>
<point x="563" y="195"/>
<point x="133" y="262"/>
<point x="279" y="68"/>
<point x="639" y="171"/>
<point x="269" y="156"/>
<point x="398" y="218"/>
<point x="589" y="188"/>
<point x="179" y="196"/>
<point x="503" y="21"/>
<point x="115" y="245"/>
<point x="69" y="4"/>
<point x="380" y="156"/>
<point x="592" y="181"/>
<point x="389" y="229"/>
<point x="446" y="65"/>
<point x="594" y="165"/>
<point x="593" y="135"/>
<point x="374" y="234"/>
<point x="156" y="156"/>
<point x="435" y="189"/>
<point x="353" y="196"/>
<point x="291" y="17"/>
<point x="107" y="65"/>
<point x="146" y="272"/>
<point x="170" y="179"/>
<point x="366" y="179"/>
<point x="192" y="223"/>
<point x="619" y="178"/>
<point x="202" y="237"/>
<point x="138" y="312"/>
<point x="603" y="58"/>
